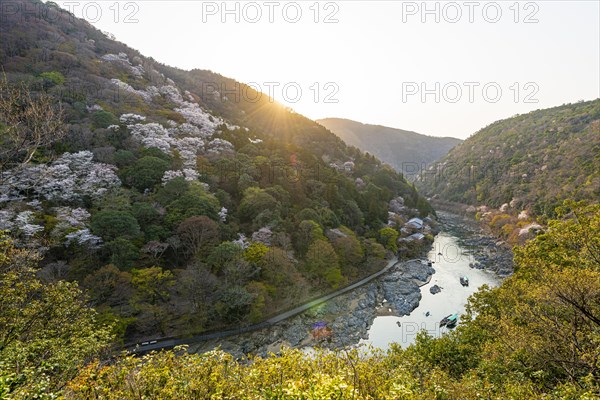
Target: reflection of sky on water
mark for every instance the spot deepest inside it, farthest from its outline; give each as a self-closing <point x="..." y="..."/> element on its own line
<point x="451" y="261"/>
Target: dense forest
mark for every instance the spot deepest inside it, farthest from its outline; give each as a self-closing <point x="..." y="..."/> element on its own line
<point x="175" y="198"/>
<point x="140" y="201"/>
<point x="536" y="336"/>
<point x="529" y="162"/>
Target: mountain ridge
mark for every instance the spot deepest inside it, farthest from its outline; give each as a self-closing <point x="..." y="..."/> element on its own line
<point x="406" y="151"/>
<point x="179" y="205"/>
<point x="530" y="162"/>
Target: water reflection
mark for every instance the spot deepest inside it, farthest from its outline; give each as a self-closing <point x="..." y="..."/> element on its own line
<point x="450" y="261"/>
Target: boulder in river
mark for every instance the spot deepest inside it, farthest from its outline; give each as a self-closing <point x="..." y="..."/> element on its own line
<point x="435" y="289"/>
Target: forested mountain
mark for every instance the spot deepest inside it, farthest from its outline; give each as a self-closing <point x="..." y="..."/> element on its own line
<point x="392" y="146"/>
<point x="534" y="337"/>
<point x="528" y="162"/>
<point x="175" y="198"/>
<point x="138" y="200"/>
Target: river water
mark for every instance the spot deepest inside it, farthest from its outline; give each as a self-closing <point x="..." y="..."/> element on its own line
<point x="357" y="317"/>
<point x="450" y="261"/>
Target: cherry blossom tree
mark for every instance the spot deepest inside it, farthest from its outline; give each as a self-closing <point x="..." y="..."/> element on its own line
<point x="263" y="235"/>
<point x="84" y="237"/>
<point x="24" y="225"/>
<point x="69" y="178"/>
<point x="151" y="135"/>
<point x="219" y="146"/>
<point x="130" y="119"/>
<point x="223" y="214"/>
<point x="125" y="87"/>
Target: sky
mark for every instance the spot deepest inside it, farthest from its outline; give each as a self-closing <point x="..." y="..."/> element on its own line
<point x="436" y="68"/>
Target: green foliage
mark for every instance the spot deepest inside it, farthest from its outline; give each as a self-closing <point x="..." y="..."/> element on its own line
<point x="172" y="190"/>
<point x="47" y="332"/>
<point x="389" y="238"/>
<point x="328" y="218"/>
<point x="234" y="304"/>
<point x="198" y="234"/>
<point x="322" y="263"/>
<point x="109" y="285"/>
<point x="195" y="201"/>
<point x="307" y="214"/>
<point x="254" y="202"/>
<point x="156" y="153"/>
<point x="124" y="158"/>
<point x="54" y="77"/>
<point x="308" y="231"/>
<point x="117" y="200"/>
<point x="123" y="253"/>
<point x="152" y="293"/>
<point x="152" y="284"/>
<point x="279" y="271"/>
<point x="536" y="159"/>
<point x="224" y="253"/>
<point x="146" y="173"/>
<point x="349" y="250"/>
<point x="145" y="214"/>
<point x="103" y="119"/>
<point x="374" y="249"/>
<point x="255" y="252"/>
<point x="424" y="207"/>
<point x="112" y="225"/>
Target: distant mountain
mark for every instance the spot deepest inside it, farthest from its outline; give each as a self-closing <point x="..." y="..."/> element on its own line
<point x="391" y="145"/>
<point x="529" y="162"/>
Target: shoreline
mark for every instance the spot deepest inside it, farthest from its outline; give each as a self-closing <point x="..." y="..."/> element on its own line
<point x="351" y="315"/>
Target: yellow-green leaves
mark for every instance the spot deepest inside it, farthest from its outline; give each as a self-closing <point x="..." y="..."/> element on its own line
<point x="47" y="333"/>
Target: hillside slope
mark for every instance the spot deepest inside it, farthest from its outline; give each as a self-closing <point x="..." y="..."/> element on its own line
<point x="392" y="146"/>
<point x="181" y="206"/>
<point x="528" y="162"/>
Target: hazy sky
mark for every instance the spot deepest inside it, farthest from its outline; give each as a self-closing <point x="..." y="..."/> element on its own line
<point x="389" y="62"/>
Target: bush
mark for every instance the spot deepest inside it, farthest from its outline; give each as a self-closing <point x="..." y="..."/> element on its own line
<point x="146" y="173"/>
<point x="123" y="253"/>
<point x="388" y="237"/>
<point x="194" y="202"/>
<point x="53" y="77"/>
<point x="103" y="119"/>
<point x="111" y="225"/>
<point x="124" y="158"/>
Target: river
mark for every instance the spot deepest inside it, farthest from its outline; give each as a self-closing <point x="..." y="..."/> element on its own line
<point x="451" y="261"/>
<point x="361" y="315"/>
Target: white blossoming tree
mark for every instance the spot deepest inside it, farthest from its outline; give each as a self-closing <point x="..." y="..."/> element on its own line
<point x="130" y="119"/>
<point x="71" y="177"/>
<point x="223" y="214"/>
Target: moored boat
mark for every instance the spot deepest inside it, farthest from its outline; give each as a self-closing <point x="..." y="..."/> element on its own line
<point x="464" y="280"/>
<point x="445" y="320"/>
<point x="452" y="321"/>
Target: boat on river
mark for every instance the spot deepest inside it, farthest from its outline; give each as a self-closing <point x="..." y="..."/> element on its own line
<point x="452" y="321"/>
<point x="444" y="320"/>
<point x="449" y="321"/>
<point x="464" y="280"/>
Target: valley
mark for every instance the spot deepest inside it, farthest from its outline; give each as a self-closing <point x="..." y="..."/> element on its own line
<point x="407" y="152"/>
<point x="171" y="233"/>
<point x="369" y="314"/>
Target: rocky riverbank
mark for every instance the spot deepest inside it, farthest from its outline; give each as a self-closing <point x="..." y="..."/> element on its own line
<point x="486" y="251"/>
<point x="351" y="315"/>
